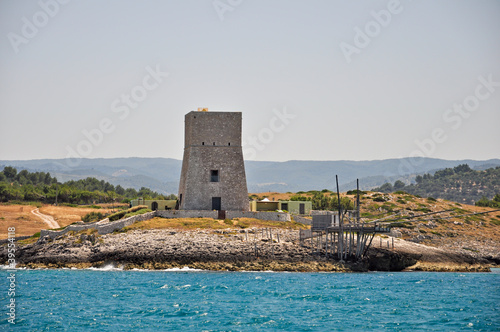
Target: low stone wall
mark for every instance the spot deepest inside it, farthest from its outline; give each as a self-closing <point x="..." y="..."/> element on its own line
<point x="323" y="212"/>
<point x="187" y="214"/>
<point x="119" y="224"/>
<point x="103" y="226"/>
<point x="262" y="215"/>
<point x="302" y="220"/>
<point x="53" y="234"/>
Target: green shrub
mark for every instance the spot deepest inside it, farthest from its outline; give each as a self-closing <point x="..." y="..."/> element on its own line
<point x="93" y="216"/>
<point x="299" y="198"/>
<point x="355" y="192"/>
<point x="379" y="199"/>
<point x="68" y="204"/>
<point x="121" y="214"/>
<point x="431" y="199"/>
<point x="134" y="213"/>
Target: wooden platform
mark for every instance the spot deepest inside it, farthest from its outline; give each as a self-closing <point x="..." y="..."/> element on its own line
<point x="348" y="241"/>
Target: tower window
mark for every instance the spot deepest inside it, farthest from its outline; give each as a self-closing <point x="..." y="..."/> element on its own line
<point x="214" y="175"/>
<point x="202" y="143"/>
<point x="214" y="143"/>
<point x="229" y="144"/>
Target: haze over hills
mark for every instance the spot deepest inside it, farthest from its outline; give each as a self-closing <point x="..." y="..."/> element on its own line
<point x="162" y="174"/>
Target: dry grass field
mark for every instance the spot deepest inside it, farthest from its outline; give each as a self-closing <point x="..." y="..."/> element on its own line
<point x="206" y="223"/>
<point x="20" y="217"/>
<point x="26" y="223"/>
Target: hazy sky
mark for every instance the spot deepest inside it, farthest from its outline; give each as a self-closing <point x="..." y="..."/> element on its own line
<point x="315" y="80"/>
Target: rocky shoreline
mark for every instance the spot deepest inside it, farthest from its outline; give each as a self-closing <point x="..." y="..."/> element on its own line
<point x="226" y="250"/>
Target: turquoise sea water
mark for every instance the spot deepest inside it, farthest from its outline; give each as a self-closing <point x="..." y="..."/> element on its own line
<point x="113" y="300"/>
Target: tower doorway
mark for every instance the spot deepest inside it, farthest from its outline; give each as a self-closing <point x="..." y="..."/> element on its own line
<point x="216" y="203"/>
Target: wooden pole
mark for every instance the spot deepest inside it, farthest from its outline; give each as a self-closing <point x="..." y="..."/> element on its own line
<point x="340" y="218"/>
<point x="357" y="201"/>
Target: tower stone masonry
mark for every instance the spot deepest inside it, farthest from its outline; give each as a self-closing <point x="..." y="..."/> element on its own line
<point x="213" y="171"/>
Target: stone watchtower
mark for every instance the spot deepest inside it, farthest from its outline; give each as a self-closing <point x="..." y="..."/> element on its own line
<point x="213" y="172"/>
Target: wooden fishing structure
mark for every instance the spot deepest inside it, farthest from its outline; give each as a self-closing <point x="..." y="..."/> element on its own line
<point x="342" y="235"/>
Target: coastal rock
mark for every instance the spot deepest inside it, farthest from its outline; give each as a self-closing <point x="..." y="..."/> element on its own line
<point x="386" y="260"/>
<point x="232" y="250"/>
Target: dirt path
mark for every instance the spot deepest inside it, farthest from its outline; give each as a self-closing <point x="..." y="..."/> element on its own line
<point x="49" y="220"/>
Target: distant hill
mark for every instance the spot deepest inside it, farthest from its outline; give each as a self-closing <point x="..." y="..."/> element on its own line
<point x="460" y="184"/>
<point x="162" y="174"/>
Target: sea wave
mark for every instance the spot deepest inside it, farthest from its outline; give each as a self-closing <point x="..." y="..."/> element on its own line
<point x="183" y="269"/>
<point x="8" y="267"/>
<point x="109" y="267"/>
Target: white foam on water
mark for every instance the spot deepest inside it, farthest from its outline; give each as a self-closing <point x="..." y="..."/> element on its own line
<point x="184" y="269"/>
<point x="8" y="267"/>
<point x="109" y="267"/>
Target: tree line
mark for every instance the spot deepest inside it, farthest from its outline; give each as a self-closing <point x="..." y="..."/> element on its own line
<point x="324" y="200"/>
<point x="460" y="184"/>
<point x="42" y="187"/>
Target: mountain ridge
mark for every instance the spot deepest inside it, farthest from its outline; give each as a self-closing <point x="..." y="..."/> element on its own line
<point x="162" y="174"/>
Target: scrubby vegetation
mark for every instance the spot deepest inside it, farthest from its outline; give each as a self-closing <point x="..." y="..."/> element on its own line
<point x="128" y="213"/>
<point x="324" y="200"/>
<point x="494" y="203"/>
<point x="93" y="216"/>
<point x="96" y="216"/>
<point x="460" y="184"/>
